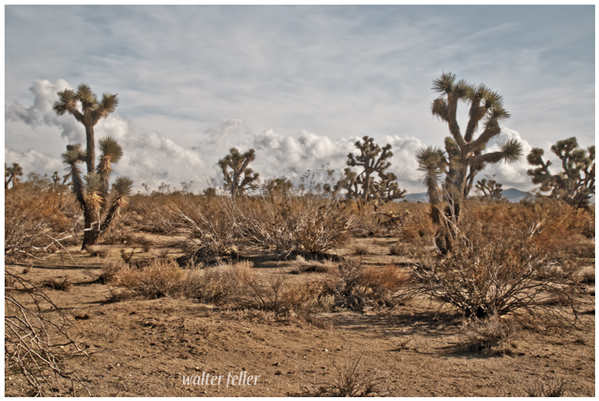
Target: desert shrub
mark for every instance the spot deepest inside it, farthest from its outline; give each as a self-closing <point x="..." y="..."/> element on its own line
<point x="496" y="268"/>
<point x="289" y="225"/>
<point x="158" y="279"/>
<point x="352" y="380"/>
<point x="37" y="222"/>
<point x="357" y="287"/>
<point x="110" y="272"/>
<point x="236" y="286"/>
<point x="220" y="284"/>
<point x="210" y="226"/>
<point x="37" y="344"/>
<point x="493" y="335"/>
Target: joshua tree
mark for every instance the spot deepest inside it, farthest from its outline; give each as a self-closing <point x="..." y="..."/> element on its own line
<point x="92" y="192"/>
<point x="576" y="183"/>
<point x="12" y="174"/>
<point x="280" y="186"/>
<point x="387" y="189"/>
<point x="99" y="206"/>
<point x="84" y="106"/>
<point x="491" y="189"/>
<point x="373" y="160"/>
<point x="463" y="158"/>
<point x="241" y="177"/>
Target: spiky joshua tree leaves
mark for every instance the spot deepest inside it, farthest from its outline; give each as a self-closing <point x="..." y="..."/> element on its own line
<point x="463" y="157"/>
<point x="240" y="177"/>
<point x="576" y="183"/>
<point x="363" y="185"/>
<point x="85" y="107"/>
<point x="100" y="205"/>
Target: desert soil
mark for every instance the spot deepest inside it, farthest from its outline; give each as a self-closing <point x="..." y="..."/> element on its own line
<point x="146" y="347"/>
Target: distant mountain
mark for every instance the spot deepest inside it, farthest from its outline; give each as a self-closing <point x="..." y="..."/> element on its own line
<point x="420" y="197"/>
<point x="515" y="195"/>
<point x="512" y="195"/>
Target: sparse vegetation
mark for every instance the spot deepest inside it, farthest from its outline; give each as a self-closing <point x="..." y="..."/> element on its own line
<point x="298" y="261"/>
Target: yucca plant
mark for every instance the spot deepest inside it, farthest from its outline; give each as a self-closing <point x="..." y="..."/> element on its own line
<point x="241" y="177"/>
<point x="576" y="183"/>
<point x="100" y="206"/>
<point x="373" y="160"/>
<point x="12" y="174"/>
<point x="463" y="157"/>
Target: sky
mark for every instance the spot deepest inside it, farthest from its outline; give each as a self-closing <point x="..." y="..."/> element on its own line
<point x="299" y="84"/>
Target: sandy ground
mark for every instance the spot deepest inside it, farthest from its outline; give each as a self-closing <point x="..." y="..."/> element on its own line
<point x="148" y="347"/>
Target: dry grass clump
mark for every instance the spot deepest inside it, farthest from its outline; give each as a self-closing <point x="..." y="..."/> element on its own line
<point x="493" y="335"/>
<point x="555" y="388"/>
<point x="37" y="222"/>
<point x="110" y="272"/>
<point x="219" y="284"/>
<point x="352" y="380"/>
<point x="236" y="286"/>
<point x="314" y="266"/>
<point x="158" y="279"/>
<point x="361" y="250"/>
<point x="357" y="287"/>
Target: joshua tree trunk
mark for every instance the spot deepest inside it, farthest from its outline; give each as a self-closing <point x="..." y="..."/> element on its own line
<point x="90" y="157"/>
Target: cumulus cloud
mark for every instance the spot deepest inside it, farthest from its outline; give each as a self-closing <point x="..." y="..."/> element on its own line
<point x="33" y="161"/>
<point x="292" y="156"/>
<point x="148" y="157"/>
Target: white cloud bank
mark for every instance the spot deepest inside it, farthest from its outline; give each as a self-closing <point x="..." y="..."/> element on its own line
<point x="151" y="158"/>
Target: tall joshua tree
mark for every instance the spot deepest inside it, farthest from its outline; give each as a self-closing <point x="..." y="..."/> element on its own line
<point x="373" y="160"/>
<point x="241" y="177"/>
<point x="463" y="158"/>
<point x="84" y="106"/>
<point x="576" y="183"/>
<point x="100" y="206"/>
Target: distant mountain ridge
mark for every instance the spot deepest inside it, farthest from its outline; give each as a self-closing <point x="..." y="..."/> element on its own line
<point x="511" y="194"/>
